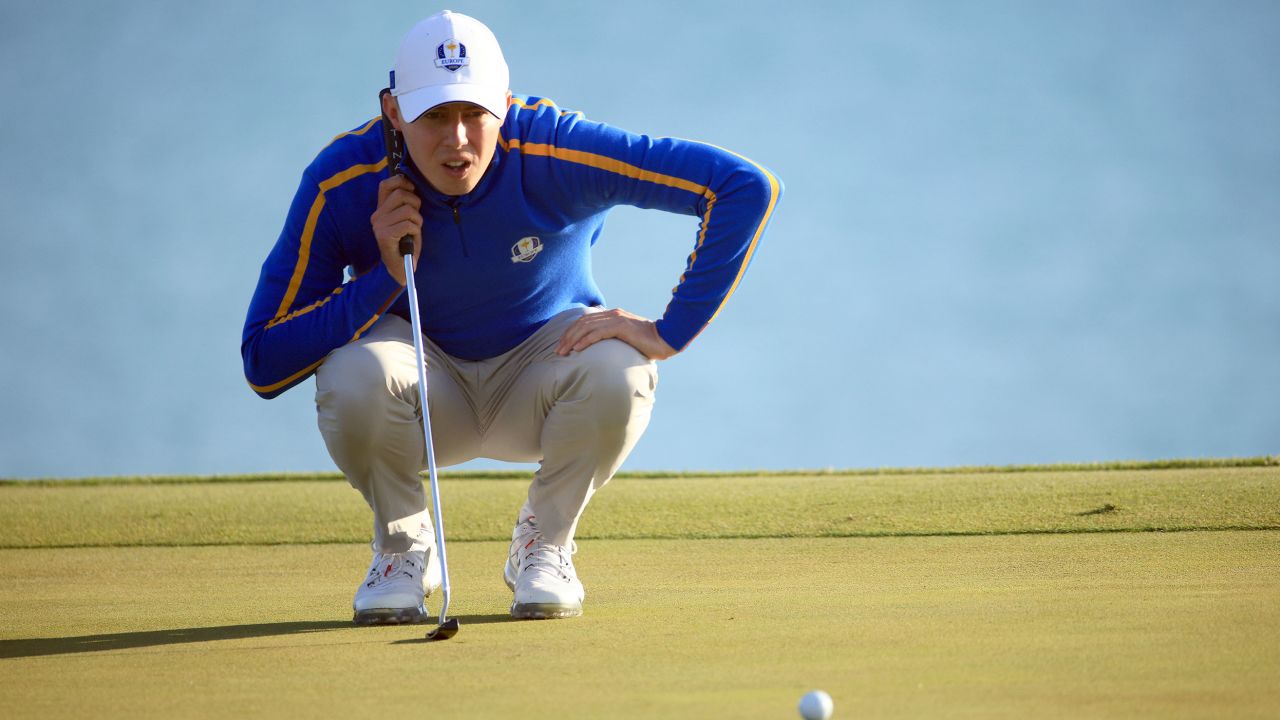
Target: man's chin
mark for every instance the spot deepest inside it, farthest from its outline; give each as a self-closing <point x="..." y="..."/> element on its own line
<point x="452" y="186"/>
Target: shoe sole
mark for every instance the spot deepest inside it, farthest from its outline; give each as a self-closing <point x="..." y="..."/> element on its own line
<point x="390" y="616"/>
<point x="537" y="611"/>
<point x="544" y="611"/>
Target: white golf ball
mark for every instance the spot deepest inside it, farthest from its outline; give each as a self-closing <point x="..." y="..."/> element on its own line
<point x="816" y="705"/>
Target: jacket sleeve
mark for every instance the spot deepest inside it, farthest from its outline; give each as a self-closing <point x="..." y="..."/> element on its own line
<point x="734" y="198"/>
<point x="301" y="310"/>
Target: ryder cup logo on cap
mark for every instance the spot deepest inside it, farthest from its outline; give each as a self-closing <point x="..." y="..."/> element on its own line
<point x="449" y="57"/>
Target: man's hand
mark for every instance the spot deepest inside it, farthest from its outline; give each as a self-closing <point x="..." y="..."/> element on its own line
<point x="397" y="215"/>
<point x="634" y="330"/>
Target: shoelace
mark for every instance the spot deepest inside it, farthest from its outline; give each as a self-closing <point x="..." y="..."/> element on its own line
<point x="391" y="565"/>
<point x="541" y="553"/>
<point x="525" y="535"/>
<point x="552" y="557"/>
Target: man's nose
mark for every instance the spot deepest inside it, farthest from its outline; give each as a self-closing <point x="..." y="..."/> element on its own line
<point x="457" y="135"/>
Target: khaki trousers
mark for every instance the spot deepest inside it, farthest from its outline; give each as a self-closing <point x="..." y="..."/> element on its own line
<point x="578" y="416"/>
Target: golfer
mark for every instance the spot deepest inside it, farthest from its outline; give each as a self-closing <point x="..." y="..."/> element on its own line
<point x="504" y="197"/>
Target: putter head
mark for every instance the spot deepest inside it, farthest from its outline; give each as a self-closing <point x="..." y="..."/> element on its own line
<point x="444" y="630"/>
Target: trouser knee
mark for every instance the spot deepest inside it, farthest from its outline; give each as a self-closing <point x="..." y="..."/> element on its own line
<point x="616" y="381"/>
<point x="358" y="394"/>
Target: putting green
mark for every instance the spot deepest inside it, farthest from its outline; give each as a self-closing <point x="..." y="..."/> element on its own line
<point x="1123" y="625"/>
<point x="1073" y="623"/>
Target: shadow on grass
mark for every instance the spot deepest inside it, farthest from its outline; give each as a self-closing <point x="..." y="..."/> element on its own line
<point x="463" y="620"/>
<point x="36" y="647"/>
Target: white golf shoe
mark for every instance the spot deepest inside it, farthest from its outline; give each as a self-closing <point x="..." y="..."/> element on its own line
<point x="542" y="576"/>
<point x="393" y="591"/>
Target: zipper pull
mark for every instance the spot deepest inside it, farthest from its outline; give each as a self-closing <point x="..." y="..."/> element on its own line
<point x="457" y="222"/>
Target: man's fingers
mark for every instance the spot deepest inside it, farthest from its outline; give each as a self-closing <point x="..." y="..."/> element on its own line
<point x="594" y="327"/>
<point x="391" y="184"/>
<point x="575" y="332"/>
<point x="394" y="224"/>
<point x="403" y="214"/>
<point x="397" y="215"/>
<point x="583" y="341"/>
<point x="399" y="197"/>
<point x="402" y="229"/>
<point x="636" y="331"/>
<point x="405" y="196"/>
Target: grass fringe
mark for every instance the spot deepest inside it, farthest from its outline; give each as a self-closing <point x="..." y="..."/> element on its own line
<point x="481" y="475"/>
<point x="685" y="538"/>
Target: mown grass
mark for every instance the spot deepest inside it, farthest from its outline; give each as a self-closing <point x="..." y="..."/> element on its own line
<point x="319" y="511"/>
<point x="931" y="594"/>
<point x="1118" y="625"/>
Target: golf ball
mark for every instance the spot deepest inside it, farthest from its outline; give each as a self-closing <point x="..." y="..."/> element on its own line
<point x="816" y="705"/>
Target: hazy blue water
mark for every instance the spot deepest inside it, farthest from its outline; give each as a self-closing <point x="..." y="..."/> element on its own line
<point x="1014" y="232"/>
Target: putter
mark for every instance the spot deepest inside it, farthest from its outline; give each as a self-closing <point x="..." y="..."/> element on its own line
<point x="448" y="627"/>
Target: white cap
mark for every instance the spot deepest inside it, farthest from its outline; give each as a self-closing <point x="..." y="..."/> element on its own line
<point x="446" y="58"/>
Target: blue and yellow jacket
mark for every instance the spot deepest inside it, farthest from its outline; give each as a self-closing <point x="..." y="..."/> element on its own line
<point x="502" y="260"/>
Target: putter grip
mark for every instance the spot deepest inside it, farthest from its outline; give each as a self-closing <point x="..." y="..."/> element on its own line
<point x="406" y="245"/>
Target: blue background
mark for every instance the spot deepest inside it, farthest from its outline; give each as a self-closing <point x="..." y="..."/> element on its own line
<point x="1013" y="232"/>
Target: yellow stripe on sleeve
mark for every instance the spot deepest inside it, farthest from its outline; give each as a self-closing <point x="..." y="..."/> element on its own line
<point x="365" y="328"/>
<point x="702" y="237"/>
<point x="541" y="103"/>
<point x="305" y="310"/>
<point x="312" y="367"/>
<point x="603" y="162"/>
<point x="525" y="106"/>
<point x="609" y="164"/>
<point x="360" y="131"/>
<point x="309" y="229"/>
<point x="289" y="380"/>
<point x="755" y="239"/>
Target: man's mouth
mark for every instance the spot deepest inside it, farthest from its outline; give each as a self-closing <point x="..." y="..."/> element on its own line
<point x="456" y="168"/>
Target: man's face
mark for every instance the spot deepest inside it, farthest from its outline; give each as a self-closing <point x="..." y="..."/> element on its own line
<point x="451" y="144"/>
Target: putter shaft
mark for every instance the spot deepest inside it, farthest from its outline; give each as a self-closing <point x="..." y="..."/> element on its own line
<point x="416" y="324"/>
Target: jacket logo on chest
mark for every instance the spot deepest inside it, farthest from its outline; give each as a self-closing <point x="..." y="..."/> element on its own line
<point x="526" y="249"/>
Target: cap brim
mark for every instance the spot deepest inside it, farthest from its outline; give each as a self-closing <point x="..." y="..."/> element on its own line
<point x="415" y="102"/>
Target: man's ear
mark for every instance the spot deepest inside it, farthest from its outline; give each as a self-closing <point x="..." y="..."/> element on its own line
<point x="391" y="108"/>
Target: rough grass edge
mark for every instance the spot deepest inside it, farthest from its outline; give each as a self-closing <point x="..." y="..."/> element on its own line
<point x="482" y="475"/>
